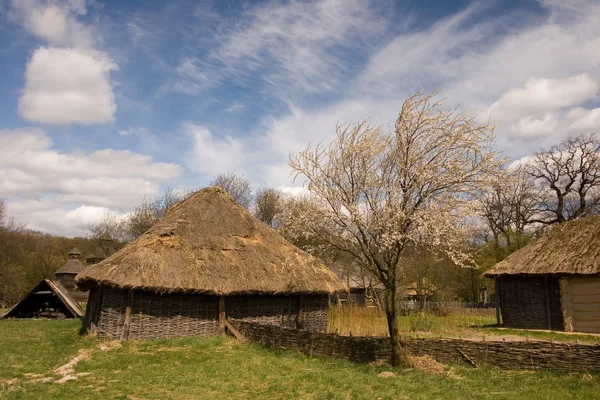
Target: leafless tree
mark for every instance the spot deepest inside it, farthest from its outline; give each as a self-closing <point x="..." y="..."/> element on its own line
<point x="570" y="175"/>
<point x="509" y="206"/>
<point x="377" y="193"/>
<point x="268" y="204"/>
<point x="149" y="212"/>
<point x="237" y="186"/>
<point x="108" y="235"/>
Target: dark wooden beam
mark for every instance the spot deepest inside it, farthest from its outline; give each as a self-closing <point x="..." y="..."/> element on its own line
<point x="127" y="324"/>
<point x="222" y="315"/>
<point x="300" y="315"/>
<point x="497" y="292"/>
<point x="234" y="331"/>
<point x="548" y="304"/>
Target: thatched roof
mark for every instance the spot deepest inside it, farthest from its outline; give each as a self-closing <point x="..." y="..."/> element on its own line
<point x="209" y="244"/>
<point x="30" y="303"/>
<point x="73" y="265"/>
<point x="570" y="248"/>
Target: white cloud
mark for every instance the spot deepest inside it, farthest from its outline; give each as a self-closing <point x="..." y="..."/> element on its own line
<point x="133" y="131"/>
<point x="532" y="127"/>
<point x="544" y="95"/>
<point x="45" y="216"/>
<point x="55" y="22"/>
<point x="583" y="120"/>
<point x="67" y="82"/>
<point x="30" y="169"/>
<point x="210" y="154"/>
<point x="542" y="75"/>
<point x="296" y="46"/>
<point x="65" y="86"/>
<point x="192" y="78"/>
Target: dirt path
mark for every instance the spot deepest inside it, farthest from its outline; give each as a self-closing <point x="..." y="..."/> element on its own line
<point x="65" y="372"/>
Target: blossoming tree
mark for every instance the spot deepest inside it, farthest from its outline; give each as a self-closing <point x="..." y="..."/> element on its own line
<point x="377" y="192"/>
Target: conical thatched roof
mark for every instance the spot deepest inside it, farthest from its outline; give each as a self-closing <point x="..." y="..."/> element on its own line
<point x="73" y="264"/>
<point x="209" y="244"/>
<point x="570" y="248"/>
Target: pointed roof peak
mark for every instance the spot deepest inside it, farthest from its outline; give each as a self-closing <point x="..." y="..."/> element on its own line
<point x="208" y="243"/>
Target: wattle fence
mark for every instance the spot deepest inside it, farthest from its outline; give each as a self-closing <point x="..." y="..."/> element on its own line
<point x="524" y="355"/>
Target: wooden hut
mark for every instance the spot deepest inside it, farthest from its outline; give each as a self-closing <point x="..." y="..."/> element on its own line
<point x="554" y="281"/>
<point x="49" y="299"/>
<point x="207" y="260"/>
<point x="67" y="273"/>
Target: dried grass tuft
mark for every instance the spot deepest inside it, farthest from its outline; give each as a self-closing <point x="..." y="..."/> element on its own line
<point x="427" y="364"/>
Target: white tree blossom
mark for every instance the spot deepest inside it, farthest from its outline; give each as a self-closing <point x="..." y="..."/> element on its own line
<point x="378" y="192"/>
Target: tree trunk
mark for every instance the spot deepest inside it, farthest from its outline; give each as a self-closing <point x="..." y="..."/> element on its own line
<point x="400" y="354"/>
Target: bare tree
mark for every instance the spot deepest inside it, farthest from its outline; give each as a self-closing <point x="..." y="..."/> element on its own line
<point x="509" y="206"/>
<point x="149" y="212"/>
<point x="378" y="192"/>
<point x="108" y="235"/>
<point x="268" y="204"/>
<point x="570" y="173"/>
<point x="237" y="186"/>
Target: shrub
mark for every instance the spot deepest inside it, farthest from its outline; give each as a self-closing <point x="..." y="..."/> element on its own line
<point x="422" y="322"/>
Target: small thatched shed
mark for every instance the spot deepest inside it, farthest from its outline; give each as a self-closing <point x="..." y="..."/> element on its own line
<point x="67" y="273"/>
<point x="207" y="259"/>
<point x="49" y="299"/>
<point x="554" y="281"/>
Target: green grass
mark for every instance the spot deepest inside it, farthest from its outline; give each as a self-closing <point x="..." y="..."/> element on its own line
<point x="465" y="323"/>
<point x="220" y="368"/>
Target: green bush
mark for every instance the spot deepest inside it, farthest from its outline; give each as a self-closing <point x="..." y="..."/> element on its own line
<point x="422" y="322"/>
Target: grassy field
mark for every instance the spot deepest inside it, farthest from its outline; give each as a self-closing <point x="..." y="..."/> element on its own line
<point x="465" y="323"/>
<point x="220" y="368"/>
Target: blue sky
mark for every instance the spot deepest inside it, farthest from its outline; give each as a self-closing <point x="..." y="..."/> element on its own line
<point x="107" y="102"/>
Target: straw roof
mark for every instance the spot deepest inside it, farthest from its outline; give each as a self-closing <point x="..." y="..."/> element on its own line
<point x="570" y="248"/>
<point x="73" y="265"/>
<point x="47" y="287"/>
<point x="209" y="244"/>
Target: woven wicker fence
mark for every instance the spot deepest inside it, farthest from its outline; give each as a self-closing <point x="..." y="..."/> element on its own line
<point x="532" y="355"/>
<point x="155" y="316"/>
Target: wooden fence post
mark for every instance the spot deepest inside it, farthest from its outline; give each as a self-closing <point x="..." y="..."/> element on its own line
<point x="497" y="293"/>
<point x="300" y="316"/>
<point x="548" y="306"/>
<point x="221" y="314"/>
<point x="127" y="324"/>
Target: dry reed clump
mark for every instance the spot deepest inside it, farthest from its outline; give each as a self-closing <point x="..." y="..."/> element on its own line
<point x="427" y="364"/>
<point x="357" y="321"/>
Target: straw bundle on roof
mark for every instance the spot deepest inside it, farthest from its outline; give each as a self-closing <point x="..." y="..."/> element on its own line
<point x="209" y="244"/>
<point x="570" y="248"/>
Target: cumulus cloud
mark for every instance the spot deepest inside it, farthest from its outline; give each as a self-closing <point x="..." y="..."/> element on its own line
<point x="64" y="86"/>
<point x="210" y="154"/>
<point x="543" y="95"/>
<point x="67" y="82"/>
<point x="45" y="216"/>
<point x="53" y="21"/>
<point x="583" y="120"/>
<point x="31" y="169"/>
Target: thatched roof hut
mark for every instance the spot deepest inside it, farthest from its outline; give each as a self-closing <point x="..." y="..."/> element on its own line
<point x="208" y="246"/>
<point x="554" y="281"/>
<point x="68" y="271"/>
<point x="49" y="299"/>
